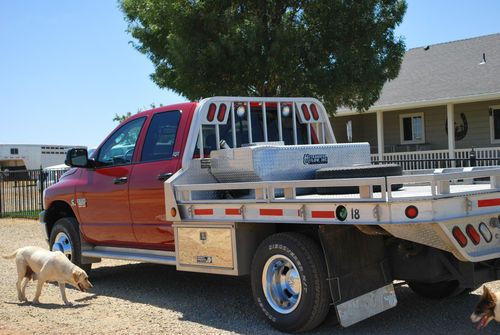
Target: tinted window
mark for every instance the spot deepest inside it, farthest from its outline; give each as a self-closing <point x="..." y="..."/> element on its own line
<point x="160" y="138"/>
<point x="119" y="148"/>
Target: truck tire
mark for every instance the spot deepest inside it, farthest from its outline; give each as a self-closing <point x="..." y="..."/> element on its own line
<point x="362" y="171"/>
<point x="439" y="290"/>
<point x="65" y="237"/>
<point x="289" y="282"/>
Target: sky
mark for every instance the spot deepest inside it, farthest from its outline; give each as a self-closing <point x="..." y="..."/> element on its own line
<point x="67" y="67"/>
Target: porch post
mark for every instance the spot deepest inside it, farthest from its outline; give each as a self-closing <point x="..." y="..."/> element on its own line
<point x="380" y="135"/>
<point x="450" y="116"/>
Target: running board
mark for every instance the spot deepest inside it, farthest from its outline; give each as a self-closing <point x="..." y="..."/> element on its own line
<point x="129" y="254"/>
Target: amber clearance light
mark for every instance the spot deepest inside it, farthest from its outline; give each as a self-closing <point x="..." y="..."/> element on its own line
<point x="173" y="212"/>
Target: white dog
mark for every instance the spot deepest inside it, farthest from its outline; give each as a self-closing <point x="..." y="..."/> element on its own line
<point x="39" y="264"/>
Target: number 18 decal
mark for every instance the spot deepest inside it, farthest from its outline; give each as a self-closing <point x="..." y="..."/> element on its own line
<point x="342" y="213"/>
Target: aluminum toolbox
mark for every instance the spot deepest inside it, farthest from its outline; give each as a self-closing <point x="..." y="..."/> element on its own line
<point x="268" y="162"/>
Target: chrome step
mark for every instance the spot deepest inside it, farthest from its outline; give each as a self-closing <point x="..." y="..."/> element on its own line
<point x="129" y="254"/>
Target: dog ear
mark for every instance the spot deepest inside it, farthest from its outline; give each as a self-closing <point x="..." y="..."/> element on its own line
<point x="76" y="275"/>
<point x="488" y="295"/>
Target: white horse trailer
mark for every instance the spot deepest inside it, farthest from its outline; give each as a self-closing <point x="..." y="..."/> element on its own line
<point x="32" y="156"/>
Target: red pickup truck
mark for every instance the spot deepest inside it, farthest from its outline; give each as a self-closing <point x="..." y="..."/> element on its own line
<point x="259" y="186"/>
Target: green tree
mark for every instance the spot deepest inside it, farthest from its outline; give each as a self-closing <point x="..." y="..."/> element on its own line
<point x="341" y="51"/>
<point x="123" y="117"/>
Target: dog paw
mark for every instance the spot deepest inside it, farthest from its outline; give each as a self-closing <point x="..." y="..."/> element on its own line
<point x="68" y="303"/>
<point x="36" y="302"/>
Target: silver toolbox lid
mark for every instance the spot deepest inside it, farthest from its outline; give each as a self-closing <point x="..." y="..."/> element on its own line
<point x="270" y="161"/>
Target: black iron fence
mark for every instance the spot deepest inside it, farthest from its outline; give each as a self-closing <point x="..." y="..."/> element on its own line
<point x="440" y="163"/>
<point x="21" y="192"/>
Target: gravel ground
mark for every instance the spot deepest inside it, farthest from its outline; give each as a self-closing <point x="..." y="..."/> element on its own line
<point x="139" y="298"/>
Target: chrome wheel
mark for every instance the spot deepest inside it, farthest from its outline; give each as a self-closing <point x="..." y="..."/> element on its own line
<point x="281" y="284"/>
<point x="62" y="243"/>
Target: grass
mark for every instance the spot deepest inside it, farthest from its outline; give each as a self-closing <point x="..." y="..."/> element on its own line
<point x="31" y="214"/>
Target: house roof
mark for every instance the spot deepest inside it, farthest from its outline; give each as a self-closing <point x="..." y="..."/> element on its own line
<point x="445" y="72"/>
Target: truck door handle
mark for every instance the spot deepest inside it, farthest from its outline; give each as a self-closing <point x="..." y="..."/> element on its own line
<point x="164" y="176"/>
<point x="120" y="180"/>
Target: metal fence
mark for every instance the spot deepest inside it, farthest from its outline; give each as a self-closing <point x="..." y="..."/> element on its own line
<point x="21" y="191"/>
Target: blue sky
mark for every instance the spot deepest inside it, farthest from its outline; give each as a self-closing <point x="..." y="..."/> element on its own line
<point x="66" y="67"/>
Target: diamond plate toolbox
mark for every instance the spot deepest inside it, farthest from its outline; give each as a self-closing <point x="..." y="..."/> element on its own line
<point x="266" y="162"/>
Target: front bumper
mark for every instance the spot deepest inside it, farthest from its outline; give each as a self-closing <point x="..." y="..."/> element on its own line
<point x="43" y="226"/>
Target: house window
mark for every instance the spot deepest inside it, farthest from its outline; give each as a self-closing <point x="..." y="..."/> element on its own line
<point x="412" y="128"/>
<point x="14" y="151"/>
<point x="495" y="124"/>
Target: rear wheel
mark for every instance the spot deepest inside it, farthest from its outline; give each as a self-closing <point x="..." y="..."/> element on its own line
<point x="65" y="238"/>
<point x="289" y="282"/>
<point x="439" y="290"/>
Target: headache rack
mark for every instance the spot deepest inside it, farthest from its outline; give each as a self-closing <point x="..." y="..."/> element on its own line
<point x="215" y="113"/>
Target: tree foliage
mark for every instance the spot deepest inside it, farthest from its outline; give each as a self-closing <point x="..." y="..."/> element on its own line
<point x="123" y="117"/>
<point x="341" y="51"/>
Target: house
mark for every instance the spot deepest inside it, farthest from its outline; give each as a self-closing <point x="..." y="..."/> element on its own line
<point x="444" y="102"/>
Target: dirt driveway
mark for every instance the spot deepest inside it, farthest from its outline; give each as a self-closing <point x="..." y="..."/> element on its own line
<point x="136" y="298"/>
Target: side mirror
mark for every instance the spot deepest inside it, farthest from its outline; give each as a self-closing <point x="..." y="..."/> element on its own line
<point x="77" y="157"/>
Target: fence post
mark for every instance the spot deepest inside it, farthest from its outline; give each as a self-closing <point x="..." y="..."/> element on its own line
<point x="472" y="157"/>
<point x="41" y="181"/>
<point x="1" y="192"/>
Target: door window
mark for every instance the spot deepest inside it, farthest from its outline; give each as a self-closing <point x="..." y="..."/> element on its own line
<point x="119" y="148"/>
<point x="160" y="138"/>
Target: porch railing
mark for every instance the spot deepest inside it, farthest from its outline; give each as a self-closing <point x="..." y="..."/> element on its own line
<point x="436" y="159"/>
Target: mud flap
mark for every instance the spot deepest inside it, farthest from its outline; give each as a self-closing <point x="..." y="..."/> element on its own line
<point x="358" y="272"/>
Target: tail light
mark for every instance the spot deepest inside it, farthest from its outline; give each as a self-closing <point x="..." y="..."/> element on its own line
<point x="222" y="112"/>
<point x="305" y="111"/>
<point x="473" y="234"/>
<point x="459" y="236"/>
<point x="314" y="112"/>
<point x="211" y="112"/>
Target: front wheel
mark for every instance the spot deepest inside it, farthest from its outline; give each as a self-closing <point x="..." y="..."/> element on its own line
<point x="65" y="238"/>
<point x="289" y="282"/>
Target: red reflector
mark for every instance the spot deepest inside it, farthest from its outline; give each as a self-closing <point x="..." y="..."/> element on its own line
<point x="411" y="212"/>
<point x="233" y="211"/>
<point x="459" y="236"/>
<point x="271" y="212"/>
<point x="305" y="111"/>
<point x="488" y="202"/>
<point x="314" y="111"/>
<point x="222" y="112"/>
<point x="323" y="214"/>
<point x="211" y="112"/>
<point x="473" y="234"/>
<point x="207" y="211"/>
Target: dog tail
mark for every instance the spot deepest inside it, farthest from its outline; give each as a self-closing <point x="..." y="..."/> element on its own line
<point x="12" y="255"/>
